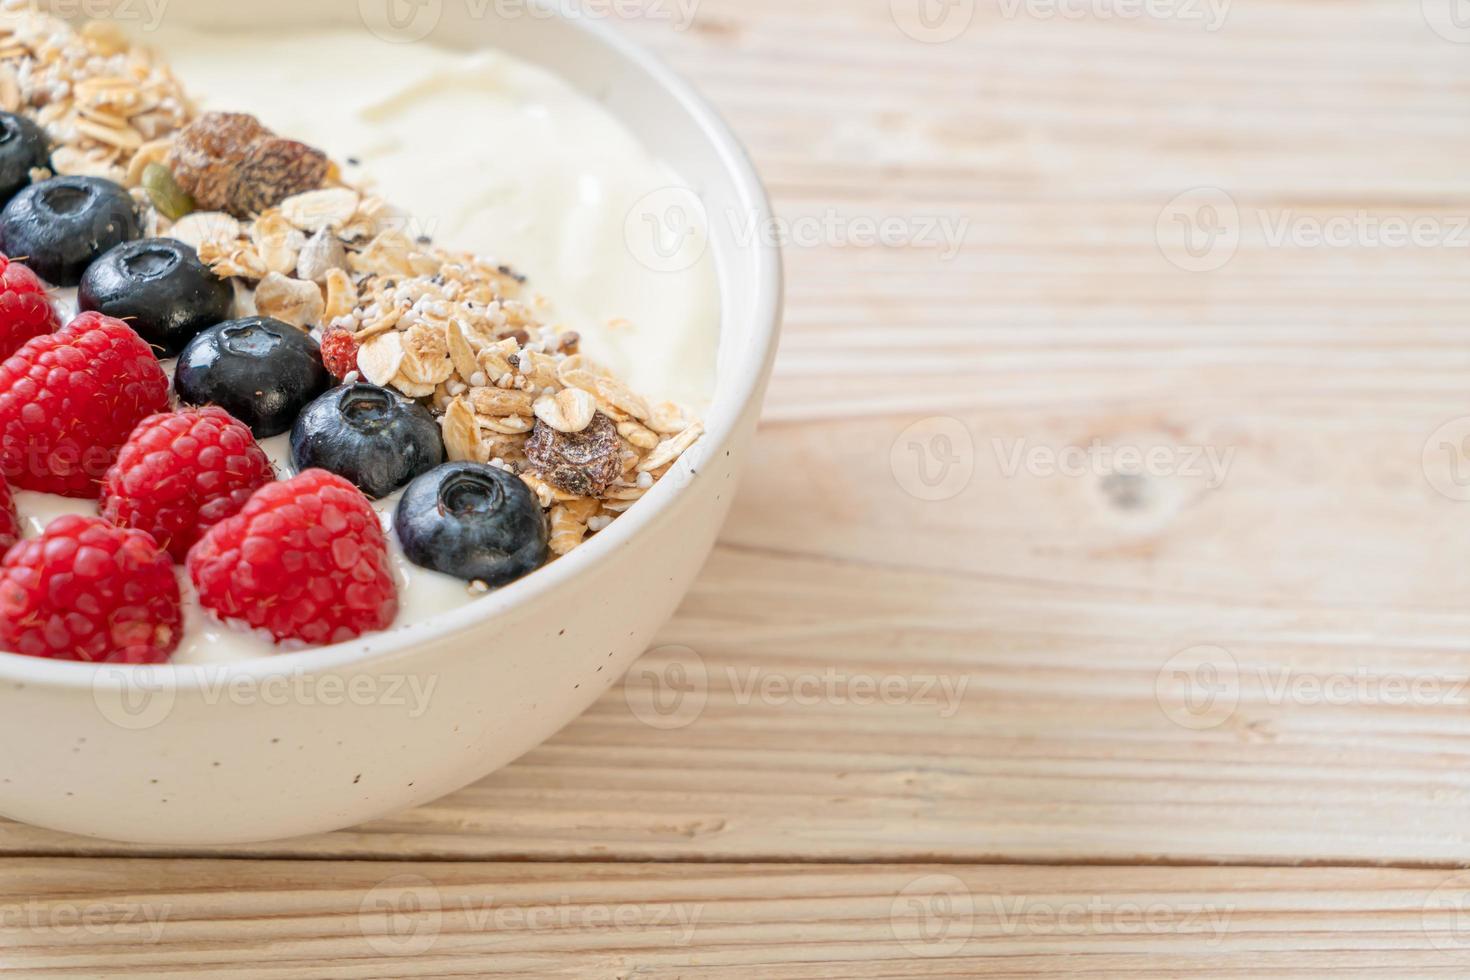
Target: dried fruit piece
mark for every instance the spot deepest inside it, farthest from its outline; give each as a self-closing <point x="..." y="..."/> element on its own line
<point x="339" y="352"/>
<point x="584" y="463"/>
<point x="272" y="170"/>
<point x="207" y="152"/>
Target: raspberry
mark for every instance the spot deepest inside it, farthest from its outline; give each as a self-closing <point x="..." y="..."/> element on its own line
<point x="86" y="590"/>
<point x="339" y="352"/>
<point x="305" y="560"/>
<point x="25" y="309"/>
<point x="182" y="473"/>
<point x="69" y="400"/>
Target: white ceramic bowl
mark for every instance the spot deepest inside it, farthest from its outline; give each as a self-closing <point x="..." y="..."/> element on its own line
<point x="324" y="739"/>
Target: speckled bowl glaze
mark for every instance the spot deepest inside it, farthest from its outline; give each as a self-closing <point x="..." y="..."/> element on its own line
<point x="324" y="739"/>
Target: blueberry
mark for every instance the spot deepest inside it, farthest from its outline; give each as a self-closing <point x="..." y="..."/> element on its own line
<point x="23" y="147"/>
<point x="161" y="288"/>
<point x="262" y="371"/>
<point x="369" y="435"/>
<point x="474" y="522"/>
<point x="60" y="226"/>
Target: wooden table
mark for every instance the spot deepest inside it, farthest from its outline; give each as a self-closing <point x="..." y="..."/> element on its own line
<point x="1096" y="600"/>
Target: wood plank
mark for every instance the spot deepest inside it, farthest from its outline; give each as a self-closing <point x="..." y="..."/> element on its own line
<point x="284" y="920"/>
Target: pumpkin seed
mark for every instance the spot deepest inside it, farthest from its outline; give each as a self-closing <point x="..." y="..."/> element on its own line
<point x="171" y="200"/>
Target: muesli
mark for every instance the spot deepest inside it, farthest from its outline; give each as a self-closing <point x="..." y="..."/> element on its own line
<point x="294" y="301"/>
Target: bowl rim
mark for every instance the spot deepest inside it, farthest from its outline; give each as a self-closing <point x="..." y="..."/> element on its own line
<point x="721" y="426"/>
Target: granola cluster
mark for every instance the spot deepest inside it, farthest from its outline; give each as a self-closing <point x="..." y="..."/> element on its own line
<point x="462" y="335"/>
<point x="101" y="99"/>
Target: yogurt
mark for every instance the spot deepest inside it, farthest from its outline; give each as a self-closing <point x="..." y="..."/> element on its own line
<point x="491" y="155"/>
<point x="486" y="154"/>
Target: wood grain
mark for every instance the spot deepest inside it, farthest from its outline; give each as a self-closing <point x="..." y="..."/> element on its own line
<point x="1025" y="727"/>
<point x="1254" y="653"/>
<point x="288" y="920"/>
